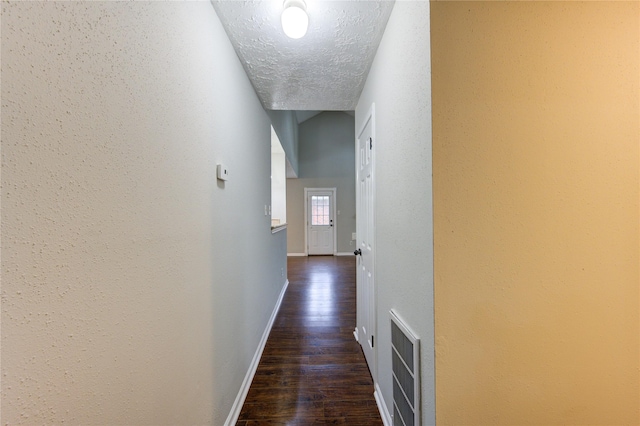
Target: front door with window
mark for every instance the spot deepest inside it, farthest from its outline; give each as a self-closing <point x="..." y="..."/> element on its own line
<point x="320" y="221"/>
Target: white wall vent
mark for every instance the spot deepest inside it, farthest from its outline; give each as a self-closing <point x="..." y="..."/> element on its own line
<point x="405" y="353"/>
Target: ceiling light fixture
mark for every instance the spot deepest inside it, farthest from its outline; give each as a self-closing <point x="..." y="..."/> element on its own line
<point x="294" y="18"/>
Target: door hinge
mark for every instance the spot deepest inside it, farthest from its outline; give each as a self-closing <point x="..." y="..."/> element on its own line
<point x="372" y="341"/>
<point x="370" y="143"/>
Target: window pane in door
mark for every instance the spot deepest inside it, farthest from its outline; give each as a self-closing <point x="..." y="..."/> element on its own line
<point x="320" y="210"/>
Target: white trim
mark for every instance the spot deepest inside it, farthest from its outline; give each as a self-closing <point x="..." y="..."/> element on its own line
<point x="345" y="253"/>
<point x="387" y="420"/>
<point x="246" y="384"/>
<point x="296" y="254"/>
<point x="355" y="334"/>
<point x="334" y="199"/>
<point x="276" y="229"/>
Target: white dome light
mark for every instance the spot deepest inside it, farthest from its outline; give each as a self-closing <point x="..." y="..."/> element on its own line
<point x="294" y="18"/>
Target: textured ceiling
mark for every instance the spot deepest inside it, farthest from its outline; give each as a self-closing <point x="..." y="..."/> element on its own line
<point x="324" y="70"/>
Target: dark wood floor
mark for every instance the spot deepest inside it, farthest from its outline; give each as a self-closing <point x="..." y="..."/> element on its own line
<point x="312" y="370"/>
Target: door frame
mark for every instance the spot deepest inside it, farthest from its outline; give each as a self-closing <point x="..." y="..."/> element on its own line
<point x="333" y="215"/>
<point x="369" y="117"/>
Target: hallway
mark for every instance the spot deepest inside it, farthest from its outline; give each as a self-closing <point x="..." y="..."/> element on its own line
<point x="312" y="371"/>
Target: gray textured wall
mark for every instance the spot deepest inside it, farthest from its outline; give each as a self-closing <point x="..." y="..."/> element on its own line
<point x="399" y="83"/>
<point x="124" y="299"/>
<point x="286" y="127"/>
<point x="326" y="160"/>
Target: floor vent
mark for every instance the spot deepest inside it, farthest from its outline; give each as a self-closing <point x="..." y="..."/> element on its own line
<point x="405" y="352"/>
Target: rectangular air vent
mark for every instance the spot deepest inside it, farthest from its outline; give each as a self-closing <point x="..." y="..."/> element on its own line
<point x="405" y="353"/>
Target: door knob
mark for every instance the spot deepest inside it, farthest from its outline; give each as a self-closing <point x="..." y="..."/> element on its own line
<point x="358" y="252"/>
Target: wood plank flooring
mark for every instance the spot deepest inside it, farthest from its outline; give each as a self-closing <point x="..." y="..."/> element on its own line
<point x="312" y="370"/>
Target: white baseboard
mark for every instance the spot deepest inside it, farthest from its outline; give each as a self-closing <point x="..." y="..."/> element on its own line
<point x="355" y="334"/>
<point x="296" y="254"/>
<point x="345" y="253"/>
<point x="246" y="384"/>
<point x="382" y="407"/>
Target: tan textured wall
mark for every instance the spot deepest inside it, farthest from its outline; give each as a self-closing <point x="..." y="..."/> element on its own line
<point x="124" y="300"/>
<point x="536" y="135"/>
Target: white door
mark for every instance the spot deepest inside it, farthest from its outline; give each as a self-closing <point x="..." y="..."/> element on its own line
<point x="366" y="306"/>
<point x="320" y="229"/>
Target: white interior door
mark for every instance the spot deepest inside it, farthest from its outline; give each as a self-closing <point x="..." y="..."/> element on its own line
<point x="365" y="287"/>
<point x="320" y="221"/>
